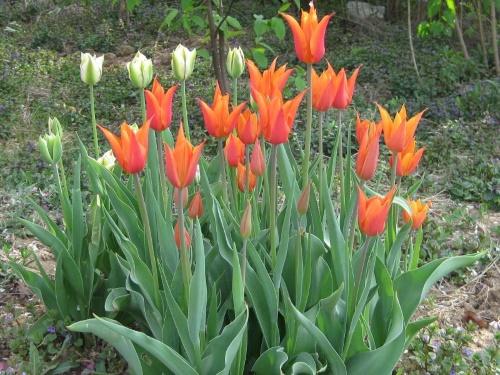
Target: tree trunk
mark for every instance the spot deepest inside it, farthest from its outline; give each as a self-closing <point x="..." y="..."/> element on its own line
<point x="217" y="63"/>
<point x="460" y="35"/>
<point x="412" y="50"/>
<point x="494" y="36"/>
<point x="481" y="32"/>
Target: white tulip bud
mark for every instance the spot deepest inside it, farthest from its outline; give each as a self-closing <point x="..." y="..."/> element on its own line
<point x="183" y="62"/>
<point x="91" y="68"/>
<point x="140" y="70"/>
<point x="235" y="62"/>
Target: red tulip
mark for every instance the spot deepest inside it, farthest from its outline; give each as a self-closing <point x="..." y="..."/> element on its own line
<point x="309" y="36"/>
<point x="257" y="160"/>
<point x="367" y="159"/>
<point x="270" y="81"/>
<point x="196" y="206"/>
<point x="248" y="127"/>
<point x="372" y="212"/>
<point x="365" y="126"/>
<point x="159" y="106"/>
<point x="323" y="90"/>
<point x="181" y="162"/>
<point x="344" y="88"/>
<point x="418" y="213"/>
<point x="219" y="121"/>
<point x="131" y="148"/>
<point x="398" y="133"/>
<point x="407" y="160"/>
<point x="234" y="151"/>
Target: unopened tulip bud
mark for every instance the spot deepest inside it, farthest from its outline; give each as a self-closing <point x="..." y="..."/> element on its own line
<point x="107" y="160"/>
<point x="196" y="207"/>
<point x="177" y="236"/>
<point x="235" y="62"/>
<point x="55" y="126"/>
<point x="91" y="68"/>
<point x="246" y="222"/>
<point x="257" y="162"/>
<point x="183" y="62"/>
<point x="50" y="148"/>
<point x="140" y="70"/>
<point x="303" y="202"/>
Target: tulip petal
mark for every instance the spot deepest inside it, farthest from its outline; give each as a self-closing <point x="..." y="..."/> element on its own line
<point x="299" y="38"/>
<point x="317" y="42"/>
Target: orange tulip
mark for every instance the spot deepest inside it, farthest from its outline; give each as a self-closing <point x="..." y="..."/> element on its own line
<point x="418" y="213"/>
<point x="181" y="162"/>
<point x="257" y="160"/>
<point x="398" y="133"/>
<point x="131" y="147"/>
<point x="365" y="126"/>
<point x="277" y="118"/>
<point x="407" y="160"/>
<point x="219" y="122"/>
<point x="196" y="206"/>
<point x="271" y="80"/>
<point x="248" y="127"/>
<point x="309" y="36"/>
<point x="159" y="106"/>
<point x="177" y="236"/>
<point x="366" y="162"/>
<point x="322" y="89"/>
<point x="242" y="178"/>
<point x="234" y="151"/>
<point x="372" y="212"/>
<point x="344" y="88"/>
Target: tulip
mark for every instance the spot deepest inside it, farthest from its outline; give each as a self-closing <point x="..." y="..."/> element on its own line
<point x="235" y="62"/>
<point x="277" y="118"/>
<point x="372" y="212"/>
<point x="365" y="126"/>
<point x="159" y="106"/>
<point x="407" y="160"/>
<point x="91" y="68"/>
<point x="183" y="62"/>
<point x="248" y="127"/>
<point x="195" y="209"/>
<point x="344" y="89"/>
<point x="323" y="89"/>
<point x="131" y="148"/>
<point x="50" y="148"/>
<point x="366" y="162"/>
<point x="271" y="81"/>
<point x="309" y="35"/>
<point x="234" y="151"/>
<point x="140" y="70"/>
<point x="418" y="213"/>
<point x="177" y="236"/>
<point x="303" y="202"/>
<point x="246" y="222"/>
<point x="181" y="162"/>
<point x="107" y="160"/>
<point x="257" y="160"/>
<point x="242" y="178"/>
<point x="219" y="122"/>
<point x="398" y="133"/>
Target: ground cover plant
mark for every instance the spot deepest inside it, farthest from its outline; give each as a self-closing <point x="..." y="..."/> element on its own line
<point x="180" y="255"/>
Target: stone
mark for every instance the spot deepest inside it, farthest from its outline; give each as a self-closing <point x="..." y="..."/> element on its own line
<point x="362" y="10"/>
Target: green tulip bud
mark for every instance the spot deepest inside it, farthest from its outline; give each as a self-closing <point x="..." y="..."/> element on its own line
<point x="55" y="126"/>
<point x="91" y="68"/>
<point x="140" y="70"/>
<point x="50" y="148"/>
<point x="235" y="62"/>
<point x="183" y="62"/>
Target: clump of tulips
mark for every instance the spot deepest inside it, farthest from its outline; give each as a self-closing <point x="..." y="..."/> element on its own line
<point x="251" y="261"/>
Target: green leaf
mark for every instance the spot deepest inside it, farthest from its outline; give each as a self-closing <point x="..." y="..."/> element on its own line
<point x="169" y="17"/>
<point x="394" y="257"/>
<point x="233" y="22"/>
<point x="121" y="338"/>
<point x="45" y="237"/>
<point x="35" y="364"/>
<point x="260" y="26"/>
<point x="259" y="55"/>
<point x="335" y="363"/>
<point x="270" y="362"/>
<point x="278" y="27"/>
<point x="413" y="328"/>
<point x="79" y="229"/>
<point x="412" y="286"/>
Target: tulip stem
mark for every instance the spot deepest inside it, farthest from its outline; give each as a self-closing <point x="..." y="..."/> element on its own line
<point x="307" y="146"/>
<point x="143" y="105"/>
<point x="394" y="167"/>
<point x="320" y="136"/>
<point x="341" y="164"/>
<point x="244" y="262"/>
<point x="94" y="123"/>
<point x="147" y="232"/>
<point x="272" y="211"/>
<point x="223" y="169"/>
<point x="63" y="195"/>
<point x="235" y="92"/>
<point x="184" y="110"/>
<point x="163" y="176"/>
<point x="186" y="268"/>
<point x="247" y="171"/>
